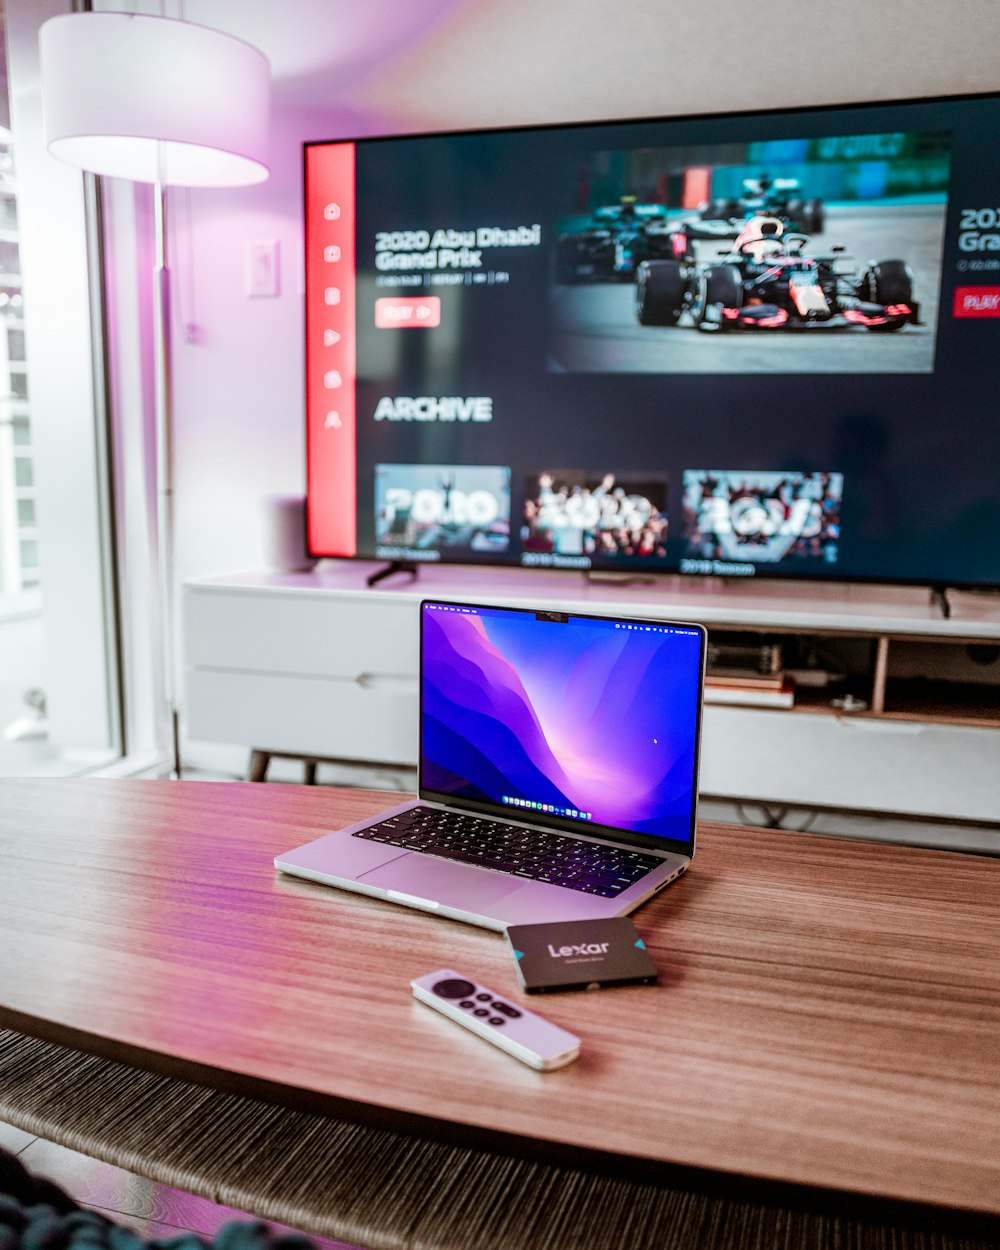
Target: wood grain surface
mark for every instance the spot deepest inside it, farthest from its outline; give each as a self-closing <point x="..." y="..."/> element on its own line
<point x="827" y="1015"/>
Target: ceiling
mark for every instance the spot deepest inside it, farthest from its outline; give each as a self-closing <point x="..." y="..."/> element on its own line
<point x="468" y="63"/>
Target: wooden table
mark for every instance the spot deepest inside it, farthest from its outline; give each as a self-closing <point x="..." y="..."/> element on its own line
<point x="826" y="1029"/>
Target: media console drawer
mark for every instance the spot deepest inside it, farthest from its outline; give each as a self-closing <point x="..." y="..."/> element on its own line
<point x="807" y="759"/>
<point x="306" y="715"/>
<point x="323" y="635"/>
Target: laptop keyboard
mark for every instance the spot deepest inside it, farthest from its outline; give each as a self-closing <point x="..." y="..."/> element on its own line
<point x="589" y="867"/>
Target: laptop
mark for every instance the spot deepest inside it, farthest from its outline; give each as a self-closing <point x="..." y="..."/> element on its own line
<point x="558" y="770"/>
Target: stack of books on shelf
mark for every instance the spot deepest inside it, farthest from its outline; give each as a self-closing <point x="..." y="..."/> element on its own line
<point x="751" y="676"/>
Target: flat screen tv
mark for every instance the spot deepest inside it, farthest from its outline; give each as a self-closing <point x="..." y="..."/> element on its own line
<point x="759" y="344"/>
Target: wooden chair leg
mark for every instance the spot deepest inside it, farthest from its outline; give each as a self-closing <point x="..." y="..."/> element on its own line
<point x="259" y="761"/>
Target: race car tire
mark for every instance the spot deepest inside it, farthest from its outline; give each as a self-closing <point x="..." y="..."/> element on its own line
<point x="718" y="284"/>
<point x="660" y="291"/>
<point x="796" y="215"/>
<point x="719" y="210"/>
<point x="805" y="216"/>
<point x="887" y="282"/>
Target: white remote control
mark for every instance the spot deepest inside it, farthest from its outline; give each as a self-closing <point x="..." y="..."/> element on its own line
<point x="520" y="1032"/>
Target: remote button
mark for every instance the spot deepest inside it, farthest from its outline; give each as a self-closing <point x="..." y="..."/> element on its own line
<point x="454" y="988"/>
<point x="524" y="1035"/>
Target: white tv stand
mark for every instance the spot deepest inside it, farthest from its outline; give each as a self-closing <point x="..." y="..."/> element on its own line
<point x="320" y="666"/>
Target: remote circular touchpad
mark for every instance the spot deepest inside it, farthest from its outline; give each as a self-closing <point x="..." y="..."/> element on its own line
<point x="454" y="988"/>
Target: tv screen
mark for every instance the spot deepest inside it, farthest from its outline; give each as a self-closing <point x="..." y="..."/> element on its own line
<point x="744" y="345"/>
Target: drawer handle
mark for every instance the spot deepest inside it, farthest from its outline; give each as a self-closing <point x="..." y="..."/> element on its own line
<point x="386" y="681"/>
<point x="872" y="726"/>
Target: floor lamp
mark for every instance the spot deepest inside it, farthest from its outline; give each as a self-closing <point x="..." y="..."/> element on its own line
<point x="156" y="100"/>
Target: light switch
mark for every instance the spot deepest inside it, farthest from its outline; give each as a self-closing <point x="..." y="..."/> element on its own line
<point x="261" y="277"/>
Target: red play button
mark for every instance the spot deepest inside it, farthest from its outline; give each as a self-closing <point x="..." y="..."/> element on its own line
<point x="406" y="313"/>
<point x="977" y="301"/>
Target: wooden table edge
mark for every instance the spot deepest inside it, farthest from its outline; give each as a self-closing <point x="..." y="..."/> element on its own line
<point x="769" y="1191"/>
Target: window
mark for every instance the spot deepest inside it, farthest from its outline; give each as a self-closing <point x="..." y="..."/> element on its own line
<point x="58" y="667"/>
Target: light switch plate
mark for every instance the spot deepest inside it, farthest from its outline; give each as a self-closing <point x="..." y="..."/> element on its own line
<point x="261" y="269"/>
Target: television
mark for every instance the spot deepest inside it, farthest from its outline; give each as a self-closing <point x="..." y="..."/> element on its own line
<point x="749" y="344"/>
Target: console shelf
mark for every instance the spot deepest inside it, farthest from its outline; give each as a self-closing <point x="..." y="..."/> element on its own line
<point x="320" y="665"/>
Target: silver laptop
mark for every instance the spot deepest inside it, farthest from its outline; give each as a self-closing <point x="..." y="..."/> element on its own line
<point x="558" y="770"/>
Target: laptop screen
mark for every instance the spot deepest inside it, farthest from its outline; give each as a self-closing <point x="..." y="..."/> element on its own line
<point x="562" y="719"/>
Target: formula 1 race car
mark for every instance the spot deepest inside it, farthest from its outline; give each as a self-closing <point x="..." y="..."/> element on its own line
<point x="767" y="282"/>
<point x="611" y="246"/>
<point x="763" y="196"/>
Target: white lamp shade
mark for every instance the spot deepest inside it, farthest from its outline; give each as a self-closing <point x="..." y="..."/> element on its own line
<point x="123" y="93"/>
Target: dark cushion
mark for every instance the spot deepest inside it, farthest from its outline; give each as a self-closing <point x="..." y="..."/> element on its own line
<point x="35" y="1214"/>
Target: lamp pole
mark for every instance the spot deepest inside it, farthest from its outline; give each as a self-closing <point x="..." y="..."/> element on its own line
<point x="165" y="459"/>
<point x="158" y="100"/>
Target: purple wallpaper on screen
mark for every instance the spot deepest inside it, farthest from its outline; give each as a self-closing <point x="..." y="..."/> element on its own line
<point x="579" y="715"/>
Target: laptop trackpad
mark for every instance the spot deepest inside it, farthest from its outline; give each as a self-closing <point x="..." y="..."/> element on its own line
<point x="454" y="885"/>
